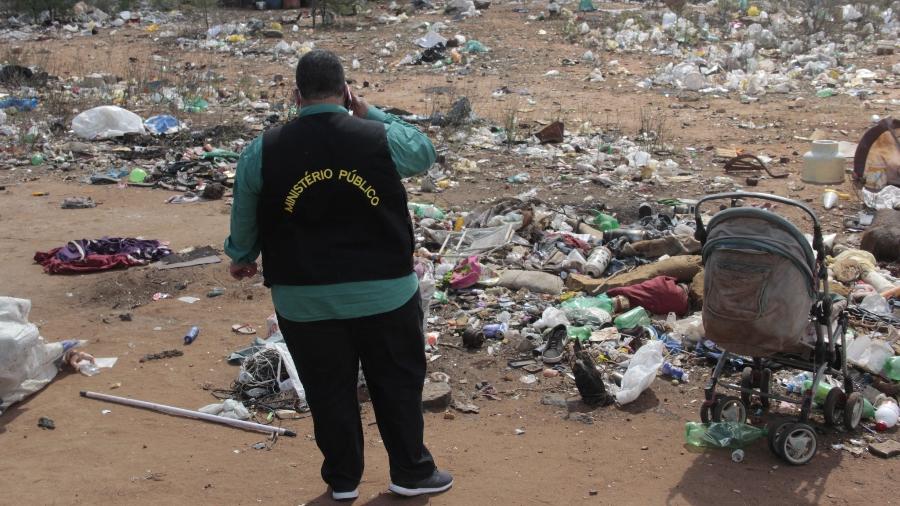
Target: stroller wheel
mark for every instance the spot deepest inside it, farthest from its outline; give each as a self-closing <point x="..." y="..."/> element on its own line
<point x="706" y="411"/>
<point x="853" y="410"/>
<point x="797" y="443"/>
<point x="774" y="429"/>
<point x="746" y="382"/>
<point x="730" y="409"/>
<point x="834" y="407"/>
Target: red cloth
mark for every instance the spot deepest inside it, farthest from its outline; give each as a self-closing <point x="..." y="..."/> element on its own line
<point x="91" y="263"/>
<point x="660" y="295"/>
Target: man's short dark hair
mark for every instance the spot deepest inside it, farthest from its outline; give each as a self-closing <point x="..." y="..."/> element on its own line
<point x="320" y="75"/>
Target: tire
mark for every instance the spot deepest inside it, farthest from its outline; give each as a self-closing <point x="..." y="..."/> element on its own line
<point x="853" y="410"/>
<point x="797" y="444"/>
<point x="765" y="386"/>
<point x="834" y="407"/>
<point x="746" y="382"/>
<point x="730" y="409"/>
<point x="706" y="412"/>
<point x="774" y="429"/>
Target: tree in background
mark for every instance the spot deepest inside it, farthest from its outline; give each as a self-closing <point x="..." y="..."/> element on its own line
<point x="36" y="7"/>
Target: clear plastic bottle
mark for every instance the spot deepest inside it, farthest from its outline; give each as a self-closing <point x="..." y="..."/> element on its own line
<point x="88" y="368"/>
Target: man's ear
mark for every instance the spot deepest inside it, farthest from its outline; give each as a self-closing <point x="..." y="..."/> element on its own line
<point x="297" y="97"/>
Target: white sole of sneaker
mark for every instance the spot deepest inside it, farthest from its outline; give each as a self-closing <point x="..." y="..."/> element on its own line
<point x="552" y="360"/>
<point x="345" y="496"/>
<point x="411" y="492"/>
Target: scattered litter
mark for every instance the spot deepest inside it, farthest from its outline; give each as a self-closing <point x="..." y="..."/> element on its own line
<point x="161" y="355"/>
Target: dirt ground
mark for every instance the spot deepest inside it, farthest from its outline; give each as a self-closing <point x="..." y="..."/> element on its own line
<point x="633" y="455"/>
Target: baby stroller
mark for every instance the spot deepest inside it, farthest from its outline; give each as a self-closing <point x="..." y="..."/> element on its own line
<point x="766" y="297"/>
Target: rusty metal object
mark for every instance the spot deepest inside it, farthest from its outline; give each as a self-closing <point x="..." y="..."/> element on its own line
<point x="886" y="125"/>
<point x="748" y="162"/>
<point x="552" y="133"/>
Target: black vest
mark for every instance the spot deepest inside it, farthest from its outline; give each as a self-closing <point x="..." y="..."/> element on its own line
<point x="332" y="208"/>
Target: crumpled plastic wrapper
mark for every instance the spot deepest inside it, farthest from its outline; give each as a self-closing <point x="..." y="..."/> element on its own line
<point x="852" y="264"/>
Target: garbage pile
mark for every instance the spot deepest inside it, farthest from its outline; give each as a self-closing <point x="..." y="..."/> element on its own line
<point x="575" y="301"/>
<point x="757" y="52"/>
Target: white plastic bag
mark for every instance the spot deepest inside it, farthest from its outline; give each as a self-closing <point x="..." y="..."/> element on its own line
<point x="105" y="122"/>
<point x="641" y="371"/>
<point x="293" y="382"/>
<point x="868" y="353"/>
<point x="27" y="362"/>
<point x="230" y="408"/>
<point x="550" y="318"/>
<point x="690" y="328"/>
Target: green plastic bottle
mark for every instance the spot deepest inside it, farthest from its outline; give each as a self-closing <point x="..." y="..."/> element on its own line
<point x="721" y="434"/>
<point x="892" y="368"/>
<point x="606" y="222"/>
<point x="637" y="317"/>
<point x="822" y="392"/>
<point x="425" y="210"/>
<point x="581" y="333"/>
<point x="868" y="409"/>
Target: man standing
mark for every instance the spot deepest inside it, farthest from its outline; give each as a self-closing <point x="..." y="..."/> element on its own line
<point x="321" y="199"/>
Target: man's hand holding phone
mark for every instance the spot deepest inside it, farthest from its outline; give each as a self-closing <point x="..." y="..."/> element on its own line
<point x="355" y="104"/>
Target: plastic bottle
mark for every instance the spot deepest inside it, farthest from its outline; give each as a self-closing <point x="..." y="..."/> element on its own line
<point x="636" y="317"/>
<point x="886" y="414"/>
<point x="892" y="368"/>
<point x="581" y="333"/>
<point x="88" y="368"/>
<point x="191" y="335"/>
<point x="597" y="262"/>
<point x="823" y="164"/>
<point x="632" y="234"/>
<point x="605" y="222"/>
<point x="495" y="330"/>
<point x="795" y="384"/>
<point x="675" y="372"/>
<point x="620" y="304"/>
<point x="829" y="198"/>
<point x="426" y="211"/>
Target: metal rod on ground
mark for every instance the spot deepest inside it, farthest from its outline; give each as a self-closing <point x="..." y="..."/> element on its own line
<point x="171" y="410"/>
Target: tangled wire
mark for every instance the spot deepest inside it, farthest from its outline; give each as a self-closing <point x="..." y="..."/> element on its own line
<point x="867" y="319"/>
<point x="258" y="385"/>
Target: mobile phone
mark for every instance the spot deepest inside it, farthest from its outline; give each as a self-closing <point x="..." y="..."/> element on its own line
<point x="348" y="98"/>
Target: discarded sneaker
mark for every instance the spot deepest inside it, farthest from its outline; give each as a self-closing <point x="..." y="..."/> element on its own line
<point x="588" y="379"/>
<point x="345" y="496"/>
<point x="438" y="482"/>
<point x="556" y="345"/>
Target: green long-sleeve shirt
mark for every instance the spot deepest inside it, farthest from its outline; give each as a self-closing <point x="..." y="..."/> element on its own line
<point x="412" y="153"/>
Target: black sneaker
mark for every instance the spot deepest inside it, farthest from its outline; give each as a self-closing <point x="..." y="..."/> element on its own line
<point x="438" y="482"/>
<point x="556" y="345"/>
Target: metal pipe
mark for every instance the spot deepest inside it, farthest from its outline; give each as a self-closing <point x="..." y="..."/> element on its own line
<point x="172" y="410"/>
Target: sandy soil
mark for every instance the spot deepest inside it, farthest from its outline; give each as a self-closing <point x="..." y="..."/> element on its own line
<point x="634" y="455"/>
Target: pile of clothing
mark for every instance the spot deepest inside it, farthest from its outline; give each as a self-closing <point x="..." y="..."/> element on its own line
<point x="94" y="255"/>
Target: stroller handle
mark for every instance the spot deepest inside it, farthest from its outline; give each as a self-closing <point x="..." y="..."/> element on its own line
<point x="700" y="234"/>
